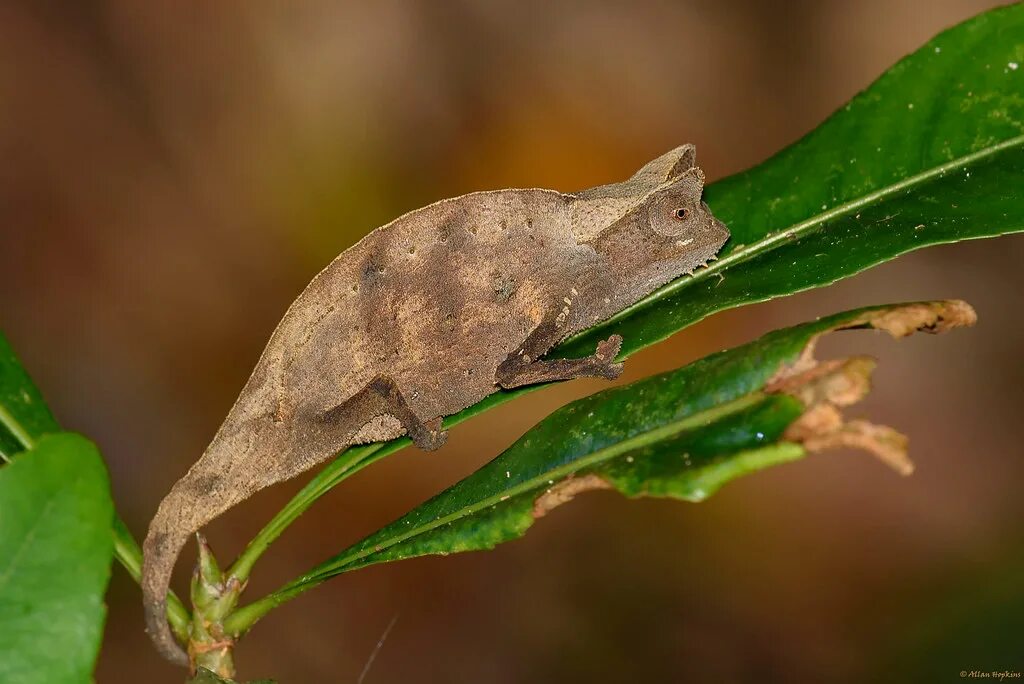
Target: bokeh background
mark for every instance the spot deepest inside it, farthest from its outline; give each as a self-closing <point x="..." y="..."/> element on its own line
<point x="174" y="173"/>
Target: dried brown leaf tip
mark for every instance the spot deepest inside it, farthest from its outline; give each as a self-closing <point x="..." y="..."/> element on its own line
<point x="930" y="317"/>
<point x="565" y="491"/>
<point x="824" y="387"/>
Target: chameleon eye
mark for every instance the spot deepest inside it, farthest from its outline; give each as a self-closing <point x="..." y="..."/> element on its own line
<point x="682" y="213"/>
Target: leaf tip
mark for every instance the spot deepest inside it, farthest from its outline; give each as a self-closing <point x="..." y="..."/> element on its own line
<point x="930" y="317"/>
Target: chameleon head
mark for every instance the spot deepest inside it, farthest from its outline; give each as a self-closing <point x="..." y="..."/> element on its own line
<point x="660" y="229"/>
<point x="679" y="224"/>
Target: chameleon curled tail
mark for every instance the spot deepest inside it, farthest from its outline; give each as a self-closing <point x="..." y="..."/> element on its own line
<point x="181" y="514"/>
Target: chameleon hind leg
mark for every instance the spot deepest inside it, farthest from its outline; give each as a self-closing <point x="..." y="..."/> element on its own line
<point x="382" y="396"/>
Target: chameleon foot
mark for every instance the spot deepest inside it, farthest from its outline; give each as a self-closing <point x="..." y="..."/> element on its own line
<point x="515" y="372"/>
<point x="605" y="355"/>
<point x="429" y="436"/>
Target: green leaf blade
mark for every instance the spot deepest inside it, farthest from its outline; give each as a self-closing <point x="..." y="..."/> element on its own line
<point x="55" y="553"/>
<point x="693" y="466"/>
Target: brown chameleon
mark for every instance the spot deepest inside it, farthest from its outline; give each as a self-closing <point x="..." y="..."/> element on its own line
<point x="428" y="315"/>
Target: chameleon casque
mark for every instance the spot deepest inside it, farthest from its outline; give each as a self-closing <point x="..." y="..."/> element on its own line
<point x="428" y="315"/>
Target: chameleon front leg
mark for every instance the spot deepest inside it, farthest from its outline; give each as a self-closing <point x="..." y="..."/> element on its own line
<point x="522" y="366"/>
<point x="382" y="396"/>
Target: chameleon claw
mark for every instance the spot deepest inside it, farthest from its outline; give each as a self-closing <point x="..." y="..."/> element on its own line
<point x="430" y="436"/>
<point x="612" y="370"/>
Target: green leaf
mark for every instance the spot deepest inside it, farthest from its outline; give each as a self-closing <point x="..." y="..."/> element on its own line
<point x="682" y="434"/>
<point x="55" y="552"/>
<point x="932" y="152"/>
<point x="24" y="416"/>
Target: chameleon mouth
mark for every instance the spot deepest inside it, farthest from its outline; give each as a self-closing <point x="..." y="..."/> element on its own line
<point x="707" y="253"/>
<point x="703" y="264"/>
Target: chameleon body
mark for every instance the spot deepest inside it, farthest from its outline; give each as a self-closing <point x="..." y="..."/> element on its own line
<point x="428" y="315"/>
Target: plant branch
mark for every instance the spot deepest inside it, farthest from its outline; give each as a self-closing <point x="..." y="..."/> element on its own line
<point x="343" y="466"/>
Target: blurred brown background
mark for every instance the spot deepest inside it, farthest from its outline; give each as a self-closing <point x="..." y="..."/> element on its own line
<point x="174" y="173"/>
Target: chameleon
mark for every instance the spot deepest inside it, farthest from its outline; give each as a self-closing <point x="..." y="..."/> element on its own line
<point x="426" y="316"/>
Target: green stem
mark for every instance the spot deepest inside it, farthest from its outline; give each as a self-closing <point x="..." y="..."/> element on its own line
<point x="347" y="463"/>
<point x="242" y="619"/>
<point x="343" y="466"/>
<point x="129" y="555"/>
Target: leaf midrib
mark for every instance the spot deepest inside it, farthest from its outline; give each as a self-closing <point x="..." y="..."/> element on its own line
<point x="805" y="227"/>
